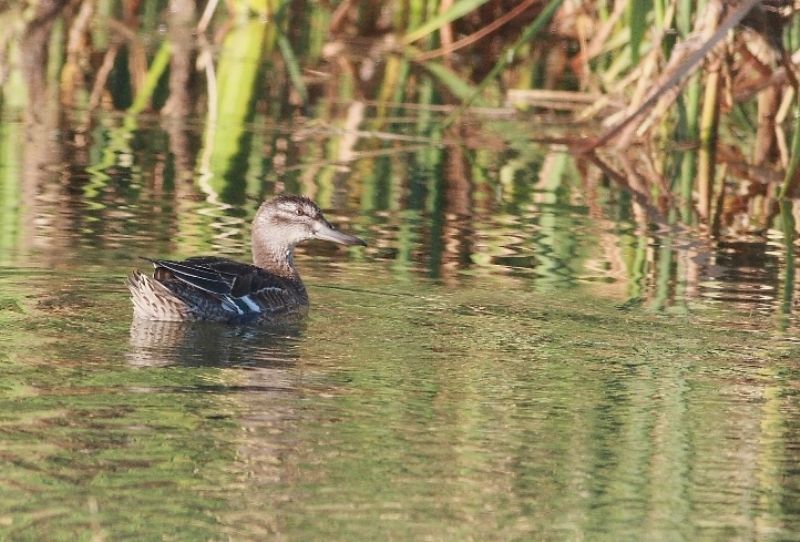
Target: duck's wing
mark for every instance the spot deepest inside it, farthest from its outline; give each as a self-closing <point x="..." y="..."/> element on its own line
<point x="243" y="288"/>
<point x="200" y="273"/>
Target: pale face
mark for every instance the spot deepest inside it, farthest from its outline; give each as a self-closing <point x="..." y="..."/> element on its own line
<point x="286" y="221"/>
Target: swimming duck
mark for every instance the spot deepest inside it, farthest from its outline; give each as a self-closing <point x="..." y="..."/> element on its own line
<point x="218" y="289"/>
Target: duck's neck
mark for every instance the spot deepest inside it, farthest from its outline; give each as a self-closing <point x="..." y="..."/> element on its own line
<point x="277" y="258"/>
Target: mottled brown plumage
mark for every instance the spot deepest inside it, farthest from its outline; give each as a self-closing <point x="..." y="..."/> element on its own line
<point x="223" y="290"/>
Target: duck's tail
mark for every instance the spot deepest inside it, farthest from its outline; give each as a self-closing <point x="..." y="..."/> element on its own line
<point x="154" y="301"/>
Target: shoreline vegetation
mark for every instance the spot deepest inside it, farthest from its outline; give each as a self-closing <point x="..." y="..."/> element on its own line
<point x="691" y="107"/>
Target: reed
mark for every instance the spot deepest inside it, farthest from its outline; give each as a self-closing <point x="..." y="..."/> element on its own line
<point x="790" y="176"/>
<point x="787" y="226"/>
<point x="672" y="76"/>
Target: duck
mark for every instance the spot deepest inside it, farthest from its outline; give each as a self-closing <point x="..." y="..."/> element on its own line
<point x="216" y="289"/>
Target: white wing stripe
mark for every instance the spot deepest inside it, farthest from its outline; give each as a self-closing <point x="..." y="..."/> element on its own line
<point x="229" y="303"/>
<point x="250" y="304"/>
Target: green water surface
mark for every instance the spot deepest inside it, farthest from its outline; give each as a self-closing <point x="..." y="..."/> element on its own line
<point x="399" y="410"/>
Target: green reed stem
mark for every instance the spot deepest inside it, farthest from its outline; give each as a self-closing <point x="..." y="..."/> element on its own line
<point x="457" y="10"/>
<point x="664" y="273"/>
<point x="460" y="88"/>
<point x="292" y="67"/>
<point x="416" y="13"/>
<point x="708" y="140"/>
<point x="11" y="137"/>
<point x="689" y="158"/>
<point x="788" y="226"/>
<point x="794" y="34"/>
<point x="683" y="16"/>
<point x="686" y="9"/>
<point x="790" y="177"/>
<point x="637" y="26"/>
<point x="154" y="73"/>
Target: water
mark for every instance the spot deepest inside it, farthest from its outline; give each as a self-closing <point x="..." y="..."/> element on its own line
<point x="511" y="358"/>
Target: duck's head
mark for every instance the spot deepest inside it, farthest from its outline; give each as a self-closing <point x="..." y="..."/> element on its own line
<point x="286" y="220"/>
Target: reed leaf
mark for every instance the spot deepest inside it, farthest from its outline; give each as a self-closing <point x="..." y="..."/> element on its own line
<point x="11" y="136"/>
<point x="691" y="109"/>
<point x="790" y="177"/>
<point x="14" y="91"/>
<point x="456" y="11"/>
<point x="157" y="68"/>
<point x="460" y="88"/>
<point x="788" y="227"/>
<point x="293" y="68"/>
<point x="240" y="60"/>
<point x="637" y="23"/>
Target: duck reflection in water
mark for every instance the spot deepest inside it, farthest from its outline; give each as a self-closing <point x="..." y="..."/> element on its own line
<point x="196" y="344"/>
<point x="259" y="375"/>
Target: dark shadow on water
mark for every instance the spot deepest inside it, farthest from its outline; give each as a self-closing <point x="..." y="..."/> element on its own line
<point x="204" y="344"/>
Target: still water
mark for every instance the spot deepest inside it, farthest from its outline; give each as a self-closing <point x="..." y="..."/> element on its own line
<point x="513" y="357"/>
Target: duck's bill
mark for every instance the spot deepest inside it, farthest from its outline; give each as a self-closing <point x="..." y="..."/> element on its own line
<point x="329" y="234"/>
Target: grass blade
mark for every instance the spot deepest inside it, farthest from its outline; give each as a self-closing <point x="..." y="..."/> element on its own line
<point x="790" y="178"/>
<point x="293" y="67"/>
<point x="456" y="11"/>
<point x="460" y="88"/>
<point x="637" y="22"/>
